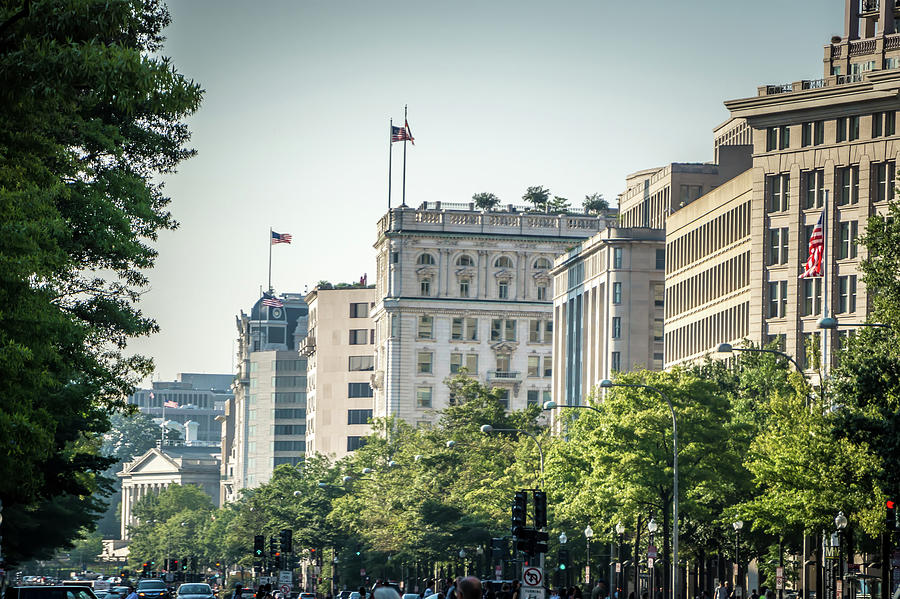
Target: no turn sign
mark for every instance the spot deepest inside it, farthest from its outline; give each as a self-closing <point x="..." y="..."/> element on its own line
<point x="285" y="589"/>
<point x="533" y="577"/>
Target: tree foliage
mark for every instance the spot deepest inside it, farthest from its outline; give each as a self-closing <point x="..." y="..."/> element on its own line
<point x="595" y="204"/>
<point x="538" y="197"/>
<point x="486" y="201"/>
<point x="89" y="115"/>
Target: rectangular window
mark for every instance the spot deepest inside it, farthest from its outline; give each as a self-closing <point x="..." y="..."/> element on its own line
<point x="472" y="363"/>
<point x="359" y="390"/>
<point x="778" y="191"/>
<point x="617" y="327"/>
<point x="806" y="134"/>
<point x="497" y="329"/>
<point x="777" y="299"/>
<point x="289" y="446"/>
<point x="535" y="330"/>
<point x="456" y="329"/>
<point x="840" y="125"/>
<point x="615" y="361"/>
<point x="890" y="123"/>
<point x="359" y="310"/>
<point x="548" y="366"/>
<point x="503" y="396"/>
<point x="426" y="327"/>
<point x="509" y="331"/>
<point x="784" y="138"/>
<point x="813" y="189"/>
<point x="503" y="290"/>
<point x="542" y="293"/>
<point x="423" y="397"/>
<point x="853" y="124"/>
<point x="503" y="361"/>
<point x="534" y="366"/>
<point x="290" y="429"/>
<point x="883" y="181"/>
<point x="660" y="259"/>
<point x="617" y="293"/>
<point x="843" y="241"/>
<point x="812" y="296"/>
<point x="819" y="133"/>
<point x="424" y="362"/>
<point x="355" y="442"/>
<point x="362" y="363"/>
<point x="617" y="257"/>
<point x="288" y="413"/>
<point x="848" y="185"/>
<point x="464" y="288"/>
<point x="877" y="124"/>
<point x="359" y="336"/>
<point x="771" y="139"/>
<point x="425" y="287"/>
<point x="359" y="416"/>
<point x="471" y="329"/>
<point x="533" y="397"/>
<point x="774" y="246"/>
<point x="280" y="382"/>
<point x="847" y="294"/>
<point x="283" y="397"/>
<point x="658" y="329"/>
<point x="456" y="362"/>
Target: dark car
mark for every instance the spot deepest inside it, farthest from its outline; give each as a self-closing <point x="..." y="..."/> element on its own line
<point x="195" y="590"/>
<point x="50" y="592"/>
<point x="152" y="588"/>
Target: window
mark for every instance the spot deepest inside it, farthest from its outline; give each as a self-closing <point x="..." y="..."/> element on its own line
<point x="465" y="260"/>
<point x="503" y="290"/>
<point x="534" y="366"/>
<point x="777" y="299"/>
<point x="503" y="330"/>
<point x="617" y="293"/>
<point x="359" y="336"/>
<point x="425" y="259"/>
<point x="840" y="129"/>
<point x="503" y="362"/>
<point x="784" y="138"/>
<point x="359" y="390"/>
<point x="771" y="139"/>
<point x="853" y="123"/>
<point x="847" y="241"/>
<point x="503" y="396"/>
<point x="287" y="413"/>
<point x="359" y="310"/>
<point x="395" y="257"/>
<point x="658" y="329"/>
<point x="289" y="365"/>
<point x="509" y="330"/>
<point x="660" y="259"/>
<point x="533" y="397"/>
<point x="542" y="293"/>
<point x="355" y="442"/>
<point x="290" y="429"/>
<point x="279" y="382"/>
<point x="536" y="330"/>
<point x="819" y="133"/>
<point x="778" y="192"/>
<point x="359" y="416"/>
<point x="891" y="62"/>
<point x="812" y="296"/>
<point x="877" y="124"/>
<point x="423" y="397"/>
<point x="848" y="185"/>
<point x="424" y="363"/>
<point x="548" y="366"/>
<point x="292" y="460"/>
<point x="806" y="134"/>
<point x="464" y="288"/>
<point x="459" y="361"/>
<point x="363" y="363"/>
<point x="813" y="188"/>
<point x="883" y="181"/>
<point x="778" y="246"/>
<point x="617" y="257"/>
<point x="615" y="362"/>
<point x="689" y="193"/>
<point x="890" y="123"/>
<point x="289" y="446"/>
<point x="846" y="294"/>
<point x="542" y="264"/>
<point x="426" y="327"/>
<point x="283" y="397"/>
<point x="425" y="287"/>
<point x="503" y="262"/>
<point x="617" y="327"/>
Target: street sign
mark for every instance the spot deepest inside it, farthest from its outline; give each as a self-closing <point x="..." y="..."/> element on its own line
<point x="285" y="577"/>
<point x="839" y="587"/>
<point x="532" y="577"/>
<point x="650" y="561"/>
<point x="618" y="567"/>
<point x="285" y="589"/>
<point x="738" y="591"/>
<point x="498" y="572"/>
<point x="779" y="578"/>
<point x="362" y="571"/>
<point x="652" y="551"/>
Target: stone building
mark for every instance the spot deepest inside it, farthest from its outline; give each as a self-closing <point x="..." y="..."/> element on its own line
<point x="199" y="403"/>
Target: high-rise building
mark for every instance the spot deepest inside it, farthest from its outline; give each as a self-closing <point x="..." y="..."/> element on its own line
<point x="341" y="357"/>
<point x="607" y="309"/>
<point x="265" y="423"/>
<point x="191" y="404"/>
<point x="457" y="288"/>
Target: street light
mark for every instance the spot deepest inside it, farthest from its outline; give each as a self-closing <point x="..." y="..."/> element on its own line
<point x="737" y="525"/>
<point x="620" y="575"/>
<point x="727" y="348"/>
<point x="830" y="323"/>
<point x="563" y="539"/>
<point x="606" y="384"/>
<point x="552" y="405"/>
<point x="840" y="521"/>
<point x="588" y="533"/>
<point x="488" y="429"/>
<point x="652" y="527"/>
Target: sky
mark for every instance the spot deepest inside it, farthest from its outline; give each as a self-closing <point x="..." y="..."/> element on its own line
<point x="293" y="130"/>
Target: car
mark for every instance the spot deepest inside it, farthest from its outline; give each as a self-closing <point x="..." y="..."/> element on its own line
<point x="345" y="594"/>
<point x="50" y="592"/>
<point x="409" y="596"/>
<point x="354" y="595"/>
<point x="307" y="596"/>
<point x="195" y="590"/>
<point x="152" y="588"/>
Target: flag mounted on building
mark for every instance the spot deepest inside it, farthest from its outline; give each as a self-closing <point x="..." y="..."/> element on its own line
<point x="280" y="237"/>
<point x="812" y="268"/>
<point x="170" y="404"/>
<point x="273" y="302"/>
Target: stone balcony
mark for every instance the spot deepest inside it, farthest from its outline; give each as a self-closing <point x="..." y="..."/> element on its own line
<point x="308" y="345"/>
<point x="504" y="376"/>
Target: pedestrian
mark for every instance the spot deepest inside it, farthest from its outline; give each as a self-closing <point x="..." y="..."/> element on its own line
<point x="722" y="591"/>
<point x="577" y="594"/>
<point x="754" y="594"/>
<point x="362" y="592"/>
<point x="468" y="587"/>
<point x="132" y="594"/>
<point x="451" y="589"/>
<point x="555" y="594"/>
<point x="383" y="592"/>
<point x="598" y="592"/>
<point x="729" y="590"/>
<point x="238" y="589"/>
<point x="770" y="594"/>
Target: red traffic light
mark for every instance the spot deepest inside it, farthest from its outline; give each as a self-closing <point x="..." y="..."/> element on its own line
<point x="890" y="504"/>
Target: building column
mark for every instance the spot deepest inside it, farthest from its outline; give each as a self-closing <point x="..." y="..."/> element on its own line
<point x="125" y="512"/>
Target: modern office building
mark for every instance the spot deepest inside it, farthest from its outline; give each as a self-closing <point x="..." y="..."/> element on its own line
<point x="264" y="425"/>
<point x="192" y="404"/>
<point x="607" y="309"/>
<point x="340" y="354"/>
<point x="457" y="288"/>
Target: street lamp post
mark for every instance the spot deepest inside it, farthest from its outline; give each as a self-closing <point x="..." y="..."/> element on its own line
<point x="563" y="539"/>
<point x="488" y="429"/>
<point x="840" y="521"/>
<point x="606" y="383"/>
<point x="652" y="527"/>
<point x="620" y="574"/>
<point x="588" y="533"/>
<point x="738" y="579"/>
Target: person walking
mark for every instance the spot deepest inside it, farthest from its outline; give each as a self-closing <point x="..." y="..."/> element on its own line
<point x="468" y="587"/>
<point x="238" y="590"/>
<point x="132" y="594"/>
<point x="722" y="592"/>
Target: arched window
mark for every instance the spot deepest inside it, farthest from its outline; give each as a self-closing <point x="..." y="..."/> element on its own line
<point x="503" y="262"/>
<point x="425" y="259"/>
<point x="465" y="260"/>
<point x="542" y="264"/>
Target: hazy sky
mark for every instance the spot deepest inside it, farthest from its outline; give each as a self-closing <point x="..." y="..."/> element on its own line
<point x="293" y="130"/>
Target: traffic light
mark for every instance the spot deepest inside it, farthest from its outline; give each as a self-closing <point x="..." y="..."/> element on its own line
<point x="193" y="563"/>
<point x="174" y="563"/>
<point x="525" y="539"/>
<point x="146" y="568"/>
<point x="891" y="518"/>
<point x="259" y="546"/>
<point x="519" y="507"/>
<point x="540" y="543"/>
<point x="287" y="540"/>
<point x="496" y="549"/>
<point x="184" y="564"/>
<point x="563" y="559"/>
<point x="540" y="509"/>
<point x="218" y="565"/>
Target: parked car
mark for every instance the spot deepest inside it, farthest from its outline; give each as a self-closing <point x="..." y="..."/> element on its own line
<point x="195" y="590"/>
<point x="50" y="592"/>
<point x="307" y="596"/>
<point x="152" y="588"/>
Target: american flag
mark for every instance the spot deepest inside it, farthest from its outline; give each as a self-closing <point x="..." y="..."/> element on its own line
<point x="280" y="237"/>
<point x="170" y="404"/>
<point x="813" y="266"/>
<point x="272" y="301"/>
<point x="402" y="134"/>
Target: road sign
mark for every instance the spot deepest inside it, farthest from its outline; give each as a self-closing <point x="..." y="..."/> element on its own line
<point x="839" y="587"/>
<point x="652" y="551"/>
<point x="285" y="589"/>
<point x="779" y="578"/>
<point x="285" y="577"/>
<point x="362" y="571"/>
<point x="618" y="567"/>
<point x="533" y="577"/>
<point x="650" y="561"/>
<point x="498" y="572"/>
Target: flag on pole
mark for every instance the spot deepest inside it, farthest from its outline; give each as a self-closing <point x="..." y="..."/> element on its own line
<point x="813" y="266"/>
<point x="170" y="404"/>
<point x="280" y="237"/>
<point x="273" y="302"/>
<point x="401" y="134"/>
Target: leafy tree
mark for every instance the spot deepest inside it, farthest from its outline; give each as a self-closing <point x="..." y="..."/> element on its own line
<point x="558" y="205"/>
<point x="169" y="523"/>
<point x="486" y="201"/>
<point x="87" y="549"/>
<point x="538" y="197"/>
<point x="595" y="204"/>
<point x="89" y="115"/>
<point x="132" y="435"/>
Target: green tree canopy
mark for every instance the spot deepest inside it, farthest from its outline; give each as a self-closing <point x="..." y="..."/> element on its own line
<point x="486" y="201"/>
<point x="538" y="197"/>
<point x="595" y="204"/>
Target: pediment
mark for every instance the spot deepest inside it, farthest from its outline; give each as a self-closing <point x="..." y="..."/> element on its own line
<point x="503" y="275"/>
<point x="152" y="462"/>
<point x="426" y="271"/>
<point x="466" y="272"/>
<point x="503" y="347"/>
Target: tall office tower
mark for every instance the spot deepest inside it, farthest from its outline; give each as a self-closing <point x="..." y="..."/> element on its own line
<point x="834" y="137"/>
<point x="341" y="356"/>
<point x="457" y="289"/>
<point x="265" y="424"/>
<point x="191" y="404"/>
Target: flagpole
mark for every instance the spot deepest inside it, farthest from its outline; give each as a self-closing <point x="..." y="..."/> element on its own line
<point x="825" y="292"/>
<point x="404" y="157"/>
<point x="270" y="258"/>
<point x="390" y="157"/>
